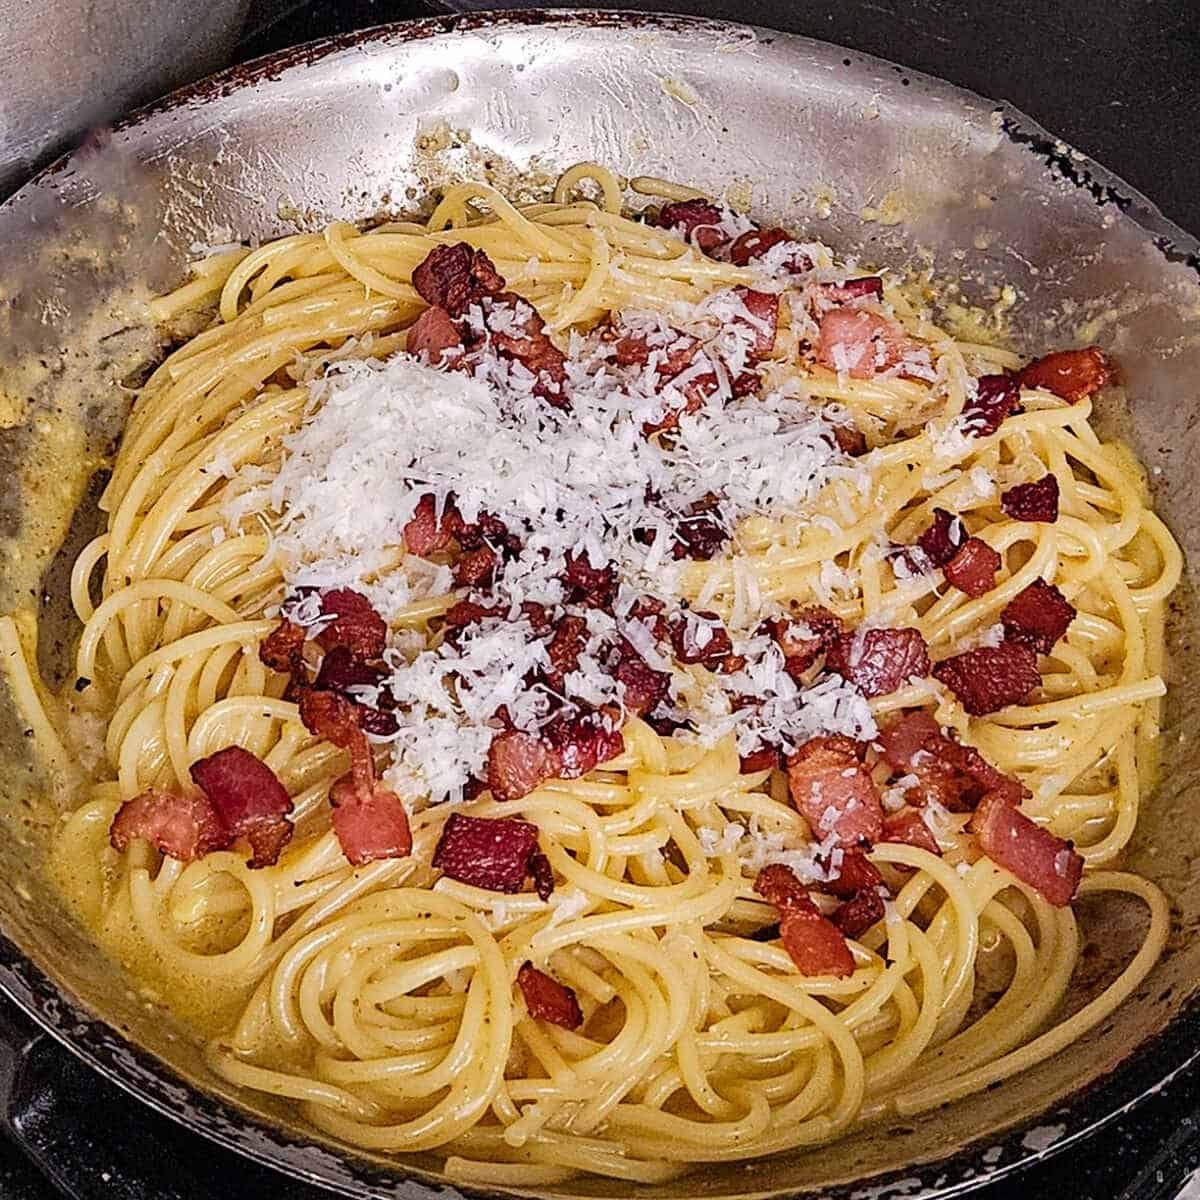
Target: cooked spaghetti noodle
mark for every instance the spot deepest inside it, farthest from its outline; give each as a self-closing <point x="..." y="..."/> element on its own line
<point x="381" y="998"/>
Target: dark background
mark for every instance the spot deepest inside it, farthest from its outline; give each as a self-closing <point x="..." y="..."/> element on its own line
<point x="1119" y="80"/>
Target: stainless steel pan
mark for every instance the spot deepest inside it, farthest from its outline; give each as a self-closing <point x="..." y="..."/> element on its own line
<point x="875" y="160"/>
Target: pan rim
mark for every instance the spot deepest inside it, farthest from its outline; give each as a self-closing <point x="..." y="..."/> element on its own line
<point x="1145" y="1071"/>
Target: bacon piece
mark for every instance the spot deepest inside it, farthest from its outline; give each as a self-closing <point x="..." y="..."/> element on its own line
<point x="543" y="876"/>
<point x="856" y="873"/>
<point x="815" y="944"/>
<point x="594" y="586"/>
<point x="700" y="637"/>
<point x="850" y="440"/>
<point x="973" y="567"/>
<point x="953" y="775"/>
<point x="1072" y="375"/>
<point x="644" y="687"/>
<point x="766" y="758"/>
<point x="565" y="647"/>
<point x="340" y="671"/>
<point x="878" y="661"/>
<point x="1033" y="854"/>
<point x="518" y="762"/>
<point x="861" y="343"/>
<point x="996" y="397"/>
<point x="804" y="640"/>
<point x="1037" y="617"/>
<point x="753" y="245"/>
<point x="779" y="885"/>
<point x="908" y="827"/>
<point x="856" y="915"/>
<point x="674" y="357"/>
<point x="356" y="625"/>
<point x="911" y="733"/>
<point x="763" y="307"/>
<point x="432" y="334"/>
<point x="475" y="568"/>
<point x="249" y="801"/>
<point x="834" y="792"/>
<point x="330" y="716"/>
<point x="582" y="743"/>
<point x="427" y="533"/>
<point x="451" y="277"/>
<point x="531" y="347"/>
<point x="487" y="852"/>
<point x="181" y="827"/>
<point x="370" y="823"/>
<point x="1036" y="501"/>
<point x="547" y="999"/>
<point x="868" y="287"/>
<point x="695" y="221"/>
<point x="282" y="648"/>
<point x="943" y="539"/>
<point x="991" y="677"/>
<point x="699" y="536"/>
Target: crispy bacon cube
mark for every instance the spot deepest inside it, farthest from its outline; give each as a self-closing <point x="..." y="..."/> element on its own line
<point x="543" y="876"/>
<point x="565" y="647"/>
<point x="996" y="397"/>
<point x="908" y="827"/>
<point x="766" y="758"/>
<point x="850" y="440"/>
<point x="861" y="343"/>
<point x="943" y="539"/>
<point x="1033" y="854"/>
<point x="1072" y="375"/>
<point x="1037" y="501"/>
<point x="1037" y="617"/>
<point x="855" y="874"/>
<point x="519" y="762"/>
<point x="834" y="792"/>
<point x="753" y="245"/>
<point x="434" y="335"/>
<point x="879" y="661"/>
<point x="644" y="688"/>
<point x="815" y="944"/>
<point x="973" y="568"/>
<point x="594" y="586"/>
<point x="330" y="716"/>
<point x="700" y="638"/>
<point x="531" y="346"/>
<point x="583" y="743"/>
<point x="991" y="677"/>
<point x="547" y="999"/>
<point x="181" y="827"/>
<point x="952" y="774"/>
<point x="856" y="915"/>
<point x="356" y="625"/>
<point x="475" y="568"/>
<point x="868" y="287"/>
<point x="370" y="823"/>
<point x="763" y="307"/>
<point x="695" y="220"/>
<point x="427" y="532"/>
<point x="813" y="632"/>
<point x="282" y="649"/>
<point x="452" y="277"/>
<point x="487" y="852"/>
<point x="249" y="800"/>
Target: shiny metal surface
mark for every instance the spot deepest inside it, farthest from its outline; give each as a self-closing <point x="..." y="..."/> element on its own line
<point x="847" y="149"/>
<point x="73" y="65"/>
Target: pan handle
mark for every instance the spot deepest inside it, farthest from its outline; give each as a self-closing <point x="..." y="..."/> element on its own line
<point x="88" y="1138"/>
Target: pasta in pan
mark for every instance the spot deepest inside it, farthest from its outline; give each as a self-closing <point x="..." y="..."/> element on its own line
<point x="820" y="651"/>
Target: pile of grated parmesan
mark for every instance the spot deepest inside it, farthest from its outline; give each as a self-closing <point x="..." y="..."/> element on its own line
<point x="378" y="436"/>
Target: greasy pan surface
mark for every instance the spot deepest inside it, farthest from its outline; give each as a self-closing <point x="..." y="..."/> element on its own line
<point x="897" y="168"/>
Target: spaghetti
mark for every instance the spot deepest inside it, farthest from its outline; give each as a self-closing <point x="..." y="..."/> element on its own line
<point x="382" y="997"/>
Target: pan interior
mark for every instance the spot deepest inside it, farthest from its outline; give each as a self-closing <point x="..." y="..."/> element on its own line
<point x="883" y="165"/>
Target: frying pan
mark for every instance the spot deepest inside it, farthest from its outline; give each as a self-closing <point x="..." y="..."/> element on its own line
<point x="884" y="164"/>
